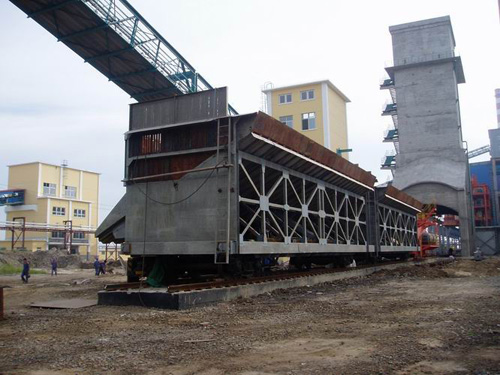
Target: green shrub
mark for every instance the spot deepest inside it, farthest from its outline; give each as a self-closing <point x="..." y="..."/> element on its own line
<point x="8" y="269"/>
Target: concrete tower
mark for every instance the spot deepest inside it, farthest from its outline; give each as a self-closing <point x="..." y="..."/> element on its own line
<point x="431" y="163"/>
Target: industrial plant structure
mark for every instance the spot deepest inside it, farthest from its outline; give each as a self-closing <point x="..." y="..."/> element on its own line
<point x="206" y="187"/>
<point x="430" y="161"/>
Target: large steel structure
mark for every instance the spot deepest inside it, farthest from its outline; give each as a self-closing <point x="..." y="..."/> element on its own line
<point x="201" y="185"/>
<point x="115" y="39"/>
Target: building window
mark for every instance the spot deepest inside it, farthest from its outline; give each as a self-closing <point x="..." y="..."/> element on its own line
<point x="70" y="192"/>
<point x="58" y="234"/>
<point x="79" y="235"/>
<point x="308" y="121"/>
<point x="79" y="213"/>
<point x="307" y="95"/>
<point x="59" y="211"/>
<point x="285" y="98"/>
<point x="49" y="189"/>
<point x="287" y="120"/>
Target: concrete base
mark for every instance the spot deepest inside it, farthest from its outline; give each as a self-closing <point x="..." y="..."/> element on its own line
<point x="161" y="298"/>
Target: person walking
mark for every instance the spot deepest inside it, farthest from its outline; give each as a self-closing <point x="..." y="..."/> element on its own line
<point x="25" y="275"/>
<point x="53" y="263"/>
<point x="97" y="266"/>
<point x="102" y="267"/>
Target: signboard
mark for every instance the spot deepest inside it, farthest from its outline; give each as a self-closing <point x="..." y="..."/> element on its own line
<point x="11" y="197"/>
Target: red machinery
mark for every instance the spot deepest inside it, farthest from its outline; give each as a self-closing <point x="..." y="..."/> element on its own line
<point x="482" y="203"/>
<point x="427" y="240"/>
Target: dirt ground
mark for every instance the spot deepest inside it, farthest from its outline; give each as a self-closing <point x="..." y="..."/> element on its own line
<point x="425" y="320"/>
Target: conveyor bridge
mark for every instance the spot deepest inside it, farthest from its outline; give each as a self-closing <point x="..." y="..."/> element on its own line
<point x="115" y="39"/>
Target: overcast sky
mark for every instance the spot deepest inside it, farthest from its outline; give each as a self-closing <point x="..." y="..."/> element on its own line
<point x="55" y="107"/>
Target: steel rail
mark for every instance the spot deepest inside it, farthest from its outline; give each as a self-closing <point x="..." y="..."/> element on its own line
<point x="262" y="279"/>
<point x="176" y="288"/>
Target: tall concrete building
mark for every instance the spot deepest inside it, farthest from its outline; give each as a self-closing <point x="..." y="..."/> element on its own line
<point x="46" y="196"/>
<point x="431" y="163"/>
<point x="315" y="109"/>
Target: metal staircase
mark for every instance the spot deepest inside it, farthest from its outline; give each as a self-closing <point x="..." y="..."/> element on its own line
<point x="392" y="134"/>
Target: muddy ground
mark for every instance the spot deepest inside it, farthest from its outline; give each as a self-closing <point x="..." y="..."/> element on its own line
<point x="425" y="320"/>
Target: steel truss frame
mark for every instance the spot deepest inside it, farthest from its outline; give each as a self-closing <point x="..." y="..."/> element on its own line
<point x="396" y="228"/>
<point x="282" y="206"/>
<point x="121" y="17"/>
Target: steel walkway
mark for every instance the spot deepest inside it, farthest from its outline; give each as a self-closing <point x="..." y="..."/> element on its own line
<point x="115" y="39"/>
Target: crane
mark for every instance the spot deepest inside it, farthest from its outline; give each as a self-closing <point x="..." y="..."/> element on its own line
<point x="115" y="39"/>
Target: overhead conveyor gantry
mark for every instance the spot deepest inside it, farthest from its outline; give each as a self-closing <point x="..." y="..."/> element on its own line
<point x="115" y="39"/>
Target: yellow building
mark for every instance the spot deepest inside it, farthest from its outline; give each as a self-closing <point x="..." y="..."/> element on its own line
<point x="315" y="109"/>
<point x="51" y="198"/>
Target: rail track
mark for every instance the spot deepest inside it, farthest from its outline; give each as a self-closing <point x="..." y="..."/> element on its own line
<point x="175" y="288"/>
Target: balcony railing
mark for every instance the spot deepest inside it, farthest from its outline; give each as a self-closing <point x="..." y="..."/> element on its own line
<point x="386" y="83"/>
<point x="389" y="160"/>
<point x="390" y="109"/>
<point x="74" y="241"/>
<point x="391" y="135"/>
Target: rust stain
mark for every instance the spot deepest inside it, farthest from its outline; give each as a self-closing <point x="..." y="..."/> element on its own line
<point x="278" y="132"/>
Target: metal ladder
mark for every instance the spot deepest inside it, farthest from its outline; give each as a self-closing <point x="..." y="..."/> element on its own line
<point x="223" y="202"/>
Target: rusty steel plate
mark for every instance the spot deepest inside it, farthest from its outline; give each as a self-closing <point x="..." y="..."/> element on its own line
<point x="74" y="303"/>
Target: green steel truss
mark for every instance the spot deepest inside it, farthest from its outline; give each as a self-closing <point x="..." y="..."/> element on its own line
<point x="139" y="36"/>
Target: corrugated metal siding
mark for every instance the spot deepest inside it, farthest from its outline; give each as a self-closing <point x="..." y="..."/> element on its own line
<point x="186" y="108"/>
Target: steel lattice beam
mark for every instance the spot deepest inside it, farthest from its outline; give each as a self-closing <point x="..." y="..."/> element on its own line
<point x="288" y="207"/>
<point x="120" y="18"/>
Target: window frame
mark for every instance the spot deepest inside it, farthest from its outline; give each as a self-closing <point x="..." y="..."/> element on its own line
<point x="79" y="213"/>
<point x="79" y="235"/>
<point x="286" y="123"/>
<point x="58" y="234"/>
<point x="48" y="187"/>
<point x="285" y="96"/>
<point x="308" y="119"/>
<point x="58" y="211"/>
<point x="307" y="92"/>
<point x="69" y="188"/>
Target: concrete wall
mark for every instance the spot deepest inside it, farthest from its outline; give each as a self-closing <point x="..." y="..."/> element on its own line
<point x="422" y="40"/>
<point x="428" y="119"/>
<point x="337" y="112"/>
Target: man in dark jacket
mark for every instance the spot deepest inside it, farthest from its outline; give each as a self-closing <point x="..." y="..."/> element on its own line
<point x="97" y="266"/>
<point x="53" y="263"/>
<point x="102" y="267"/>
<point x="25" y="275"/>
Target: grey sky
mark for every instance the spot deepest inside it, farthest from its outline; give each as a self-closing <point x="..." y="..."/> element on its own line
<point x="55" y="107"/>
